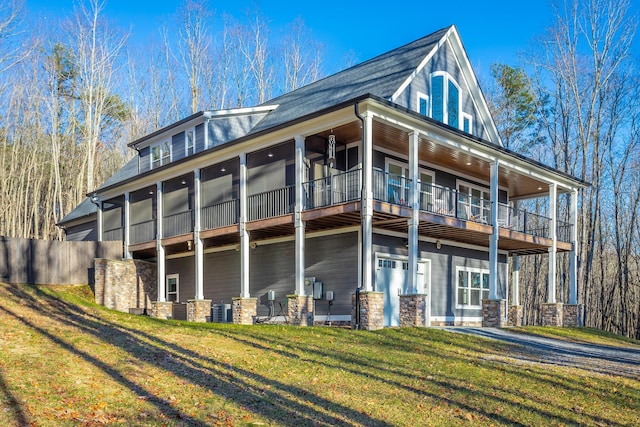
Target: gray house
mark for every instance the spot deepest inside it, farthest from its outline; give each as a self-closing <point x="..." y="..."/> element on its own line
<point x="378" y="196"/>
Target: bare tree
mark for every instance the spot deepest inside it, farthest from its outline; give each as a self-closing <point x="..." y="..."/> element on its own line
<point x="302" y="56"/>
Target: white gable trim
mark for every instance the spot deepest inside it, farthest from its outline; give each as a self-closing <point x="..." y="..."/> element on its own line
<point x="424" y="62"/>
<point x="467" y="74"/>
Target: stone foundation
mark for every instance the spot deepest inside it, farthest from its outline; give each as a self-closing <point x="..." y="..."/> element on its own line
<point x="162" y="309"/>
<point x="199" y="310"/>
<point x="516" y="315"/>
<point x="125" y="285"/>
<point x="552" y="314"/>
<point x="371" y="310"/>
<point x="244" y="310"/>
<point x="413" y="310"/>
<point x="300" y="310"/>
<point x="493" y="313"/>
<point x="570" y="315"/>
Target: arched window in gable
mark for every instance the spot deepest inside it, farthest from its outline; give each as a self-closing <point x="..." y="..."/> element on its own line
<point x="445" y="100"/>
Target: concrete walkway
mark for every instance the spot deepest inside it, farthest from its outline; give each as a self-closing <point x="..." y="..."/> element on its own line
<point x="604" y="359"/>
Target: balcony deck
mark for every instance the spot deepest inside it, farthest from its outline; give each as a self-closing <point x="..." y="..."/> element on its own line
<point x="334" y="203"/>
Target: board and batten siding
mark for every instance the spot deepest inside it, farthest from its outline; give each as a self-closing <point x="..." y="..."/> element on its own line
<point x="442" y="60"/>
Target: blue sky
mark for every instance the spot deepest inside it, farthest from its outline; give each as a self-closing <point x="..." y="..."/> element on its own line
<point x="491" y="32"/>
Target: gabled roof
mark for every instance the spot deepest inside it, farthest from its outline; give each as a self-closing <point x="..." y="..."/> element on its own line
<point x="380" y="76"/>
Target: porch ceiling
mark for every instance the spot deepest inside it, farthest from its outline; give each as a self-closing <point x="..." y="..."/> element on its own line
<point x="397" y="140"/>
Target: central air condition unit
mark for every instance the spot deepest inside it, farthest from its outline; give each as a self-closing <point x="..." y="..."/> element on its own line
<point x="221" y="313"/>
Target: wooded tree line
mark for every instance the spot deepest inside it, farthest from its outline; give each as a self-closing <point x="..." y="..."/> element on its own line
<point x="574" y="104"/>
<point x="74" y="93"/>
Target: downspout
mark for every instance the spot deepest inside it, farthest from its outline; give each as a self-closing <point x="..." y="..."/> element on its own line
<point x="362" y="196"/>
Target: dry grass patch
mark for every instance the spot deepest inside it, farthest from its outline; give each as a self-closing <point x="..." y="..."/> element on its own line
<point x="66" y="361"/>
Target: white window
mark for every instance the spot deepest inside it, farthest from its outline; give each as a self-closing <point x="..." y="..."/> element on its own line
<point x="173" y="287"/>
<point x="474" y="202"/>
<point x="472" y="286"/>
<point x="398" y="182"/>
<point x="160" y="154"/>
<point x="190" y="142"/>
<point x="423" y="104"/>
<point x="467" y="123"/>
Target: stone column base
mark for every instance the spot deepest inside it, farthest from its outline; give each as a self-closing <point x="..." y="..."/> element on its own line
<point x="199" y="310"/>
<point x="244" y="310"/>
<point x="515" y="315"/>
<point x="300" y="310"/>
<point x="552" y="314"/>
<point x="162" y="309"/>
<point x="493" y="313"/>
<point x="413" y="310"/>
<point x="371" y="311"/>
<point x="570" y="315"/>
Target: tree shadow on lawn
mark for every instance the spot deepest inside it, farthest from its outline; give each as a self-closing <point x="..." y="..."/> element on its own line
<point x="270" y="398"/>
<point x="372" y="368"/>
<point x="14" y="405"/>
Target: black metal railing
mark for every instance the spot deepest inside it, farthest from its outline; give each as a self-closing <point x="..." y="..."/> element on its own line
<point x="269" y="204"/>
<point x="142" y="232"/>
<point x="177" y="224"/>
<point x="332" y="190"/>
<point x="220" y="214"/>
<point x="445" y="201"/>
<point x="564" y="231"/>
<point x="523" y="221"/>
<point x="391" y="188"/>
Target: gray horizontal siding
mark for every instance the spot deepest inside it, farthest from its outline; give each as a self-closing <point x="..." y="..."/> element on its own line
<point x="177" y="146"/>
<point x="82" y="232"/>
<point x="443" y="271"/>
<point x="222" y="276"/>
<point x="185" y="268"/>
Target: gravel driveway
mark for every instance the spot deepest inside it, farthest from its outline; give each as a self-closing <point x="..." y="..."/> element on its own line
<point x="604" y="359"/>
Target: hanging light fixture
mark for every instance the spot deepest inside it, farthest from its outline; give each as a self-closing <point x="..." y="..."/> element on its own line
<point x="332" y="149"/>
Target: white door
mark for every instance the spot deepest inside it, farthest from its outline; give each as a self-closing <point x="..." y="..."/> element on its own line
<point x="392" y="279"/>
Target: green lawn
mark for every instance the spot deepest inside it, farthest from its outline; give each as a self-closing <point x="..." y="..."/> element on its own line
<point x="66" y="361"/>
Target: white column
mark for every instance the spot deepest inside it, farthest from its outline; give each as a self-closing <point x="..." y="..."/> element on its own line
<point x="160" y="249"/>
<point x="127" y="224"/>
<point x="197" y="242"/>
<point x="414" y="202"/>
<point x="367" y="204"/>
<point x="244" y="234"/>
<point x="551" y="284"/>
<point x="299" y="224"/>
<point x="573" y="256"/>
<point x="99" y="220"/>
<point x="493" y="239"/>
<point x="515" y="282"/>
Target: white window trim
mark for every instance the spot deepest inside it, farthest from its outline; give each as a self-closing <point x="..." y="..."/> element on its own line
<point x="159" y="144"/>
<point x="389" y="161"/>
<point x="456" y="287"/>
<point x="445" y="97"/>
<point x="191" y="131"/>
<point x="421" y="96"/>
<point x="466" y="116"/>
<point x="177" y="277"/>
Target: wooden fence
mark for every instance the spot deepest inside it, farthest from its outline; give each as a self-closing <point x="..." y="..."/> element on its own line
<point x="51" y="262"/>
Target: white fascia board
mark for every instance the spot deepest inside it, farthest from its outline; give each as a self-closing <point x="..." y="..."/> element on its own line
<point x="422" y="64"/>
<point x="240" y="111"/>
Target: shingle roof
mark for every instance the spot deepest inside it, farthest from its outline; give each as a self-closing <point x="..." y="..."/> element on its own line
<point x="380" y="76"/>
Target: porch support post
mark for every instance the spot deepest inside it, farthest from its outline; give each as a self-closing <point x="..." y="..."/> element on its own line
<point x="414" y="202"/>
<point x="244" y="234"/>
<point x="299" y="224"/>
<point x="551" y="284"/>
<point x="515" y="282"/>
<point x="99" y="220"/>
<point x="367" y="204"/>
<point x="197" y="242"/>
<point x="159" y="247"/>
<point x="573" y="256"/>
<point x="493" y="239"/>
<point x="127" y="222"/>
